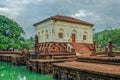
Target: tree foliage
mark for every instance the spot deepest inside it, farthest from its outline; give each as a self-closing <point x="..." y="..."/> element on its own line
<point x="104" y="37"/>
<point x="11" y="35"/>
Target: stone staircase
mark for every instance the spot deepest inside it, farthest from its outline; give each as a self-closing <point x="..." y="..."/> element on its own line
<point x="81" y="48"/>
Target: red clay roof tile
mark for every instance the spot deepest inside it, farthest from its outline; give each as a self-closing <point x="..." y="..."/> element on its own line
<point x="66" y="19"/>
<point x="70" y="19"/>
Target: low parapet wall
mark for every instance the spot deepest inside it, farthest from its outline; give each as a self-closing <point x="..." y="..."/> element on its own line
<point x="43" y="66"/>
<point x="85" y="71"/>
<point x="15" y="59"/>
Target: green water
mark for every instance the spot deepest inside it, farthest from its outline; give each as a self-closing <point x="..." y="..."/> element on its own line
<point x="10" y="72"/>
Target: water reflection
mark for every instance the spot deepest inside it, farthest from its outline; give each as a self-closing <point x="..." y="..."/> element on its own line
<point x="10" y="72"/>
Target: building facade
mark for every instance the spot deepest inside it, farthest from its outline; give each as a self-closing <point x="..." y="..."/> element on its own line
<point x="63" y="29"/>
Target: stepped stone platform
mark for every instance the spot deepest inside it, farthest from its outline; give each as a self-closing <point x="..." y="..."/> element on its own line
<point x="100" y="59"/>
<point x="10" y="52"/>
<point x="55" y="55"/>
<point x="85" y="71"/>
<point x="18" y="60"/>
<point x="64" y="57"/>
<point x="7" y="57"/>
<point x="15" y="59"/>
<point x="44" y="65"/>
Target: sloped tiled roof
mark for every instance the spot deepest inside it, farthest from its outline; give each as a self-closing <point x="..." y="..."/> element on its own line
<point x="70" y="19"/>
<point x="66" y="19"/>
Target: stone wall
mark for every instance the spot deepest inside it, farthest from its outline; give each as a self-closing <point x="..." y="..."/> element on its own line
<point x="51" y="47"/>
<point x="47" y="48"/>
<point x="74" y="74"/>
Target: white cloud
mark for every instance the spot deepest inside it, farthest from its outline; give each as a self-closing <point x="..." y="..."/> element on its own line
<point x="4" y="10"/>
<point x="87" y="15"/>
<point x="82" y="13"/>
<point x="13" y="8"/>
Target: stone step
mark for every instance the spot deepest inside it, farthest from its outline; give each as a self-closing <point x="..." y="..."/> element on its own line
<point x="100" y="59"/>
<point x="64" y="57"/>
<point x="82" y="48"/>
<point x="61" y="54"/>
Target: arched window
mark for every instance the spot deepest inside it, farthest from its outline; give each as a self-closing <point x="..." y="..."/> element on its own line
<point x="61" y="33"/>
<point x="79" y="34"/>
<point x="39" y="35"/>
<point x="74" y="31"/>
<point x="85" y="35"/>
<point x="42" y="35"/>
<point x="47" y="36"/>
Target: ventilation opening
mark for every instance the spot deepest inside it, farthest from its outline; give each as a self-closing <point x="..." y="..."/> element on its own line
<point x="39" y="70"/>
<point x="14" y="63"/>
<point x="30" y="68"/>
<point x="56" y="76"/>
<point x="70" y="79"/>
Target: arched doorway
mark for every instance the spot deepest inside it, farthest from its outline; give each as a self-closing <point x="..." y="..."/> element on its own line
<point x="56" y="76"/>
<point x="73" y="36"/>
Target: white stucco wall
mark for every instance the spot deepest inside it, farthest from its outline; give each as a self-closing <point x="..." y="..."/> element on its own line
<point x="51" y="28"/>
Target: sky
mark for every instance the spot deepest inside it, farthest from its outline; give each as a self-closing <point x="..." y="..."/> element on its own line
<point x="104" y="14"/>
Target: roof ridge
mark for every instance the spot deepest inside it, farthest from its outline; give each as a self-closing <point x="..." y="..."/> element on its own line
<point x="67" y="19"/>
<point x="65" y="16"/>
<point x="70" y="19"/>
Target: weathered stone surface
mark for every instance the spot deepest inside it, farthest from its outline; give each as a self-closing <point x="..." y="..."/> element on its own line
<point x="51" y="47"/>
<point x="100" y="59"/>
<point x="15" y="59"/>
<point x="85" y="71"/>
<point x="43" y="65"/>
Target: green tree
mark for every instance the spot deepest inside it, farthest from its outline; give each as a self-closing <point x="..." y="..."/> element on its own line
<point x="10" y="33"/>
<point x="104" y="37"/>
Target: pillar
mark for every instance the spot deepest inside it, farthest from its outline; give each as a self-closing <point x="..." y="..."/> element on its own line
<point x="110" y="47"/>
<point x="110" y="50"/>
<point x="94" y="46"/>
